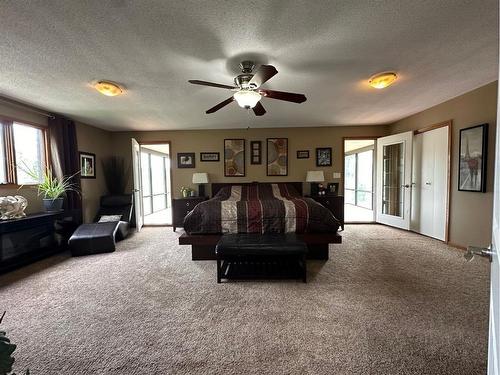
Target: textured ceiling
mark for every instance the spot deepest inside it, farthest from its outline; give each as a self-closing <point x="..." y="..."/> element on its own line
<point x="51" y="50"/>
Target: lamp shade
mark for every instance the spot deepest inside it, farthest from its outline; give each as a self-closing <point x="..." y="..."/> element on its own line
<point x="200" y="178"/>
<point x="315" y="176"/>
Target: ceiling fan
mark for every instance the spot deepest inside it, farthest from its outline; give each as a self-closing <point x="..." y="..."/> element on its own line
<point x="247" y="89"/>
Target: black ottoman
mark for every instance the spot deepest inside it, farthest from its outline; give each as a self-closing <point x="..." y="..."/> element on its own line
<point x="93" y="239"/>
<point x="270" y="255"/>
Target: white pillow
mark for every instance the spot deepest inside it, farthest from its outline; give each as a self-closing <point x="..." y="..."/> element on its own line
<point x="109" y="218"/>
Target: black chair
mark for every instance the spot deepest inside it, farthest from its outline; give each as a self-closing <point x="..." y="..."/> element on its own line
<point x="100" y="237"/>
<point x="117" y="205"/>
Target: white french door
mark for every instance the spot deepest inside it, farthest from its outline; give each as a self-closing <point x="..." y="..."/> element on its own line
<point x="136" y="166"/>
<point x="494" y="331"/>
<point x="394" y="172"/>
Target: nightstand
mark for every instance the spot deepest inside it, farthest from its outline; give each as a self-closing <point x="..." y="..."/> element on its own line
<point x="181" y="207"/>
<point x="334" y="203"/>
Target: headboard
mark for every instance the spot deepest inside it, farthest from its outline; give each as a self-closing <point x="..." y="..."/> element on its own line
<point x="217" y="186"/>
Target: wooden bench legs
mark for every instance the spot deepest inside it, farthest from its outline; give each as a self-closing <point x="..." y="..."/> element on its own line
<point x="262" y="268"/>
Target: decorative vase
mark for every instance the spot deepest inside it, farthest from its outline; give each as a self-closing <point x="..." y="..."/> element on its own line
<point x="12" y="207"/>
<point x="51" y="205"/>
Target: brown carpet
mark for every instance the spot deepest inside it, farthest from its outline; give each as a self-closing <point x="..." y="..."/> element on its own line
<point x="387" y="302"/>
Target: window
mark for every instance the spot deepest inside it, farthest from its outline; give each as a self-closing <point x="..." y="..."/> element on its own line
<point x="23" y="157"/>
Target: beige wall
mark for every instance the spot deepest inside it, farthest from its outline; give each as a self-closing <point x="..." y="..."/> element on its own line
<point x="90" y="139"/>
<point x="213" y="141"/>
<point x="470" y="213"/>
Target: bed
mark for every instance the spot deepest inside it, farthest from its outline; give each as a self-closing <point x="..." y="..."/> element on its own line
<point x="259" y="208"/>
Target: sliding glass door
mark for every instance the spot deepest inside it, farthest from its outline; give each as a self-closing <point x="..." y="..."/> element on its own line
<point x="155" y="181"/>
<point x="359" y="179"/>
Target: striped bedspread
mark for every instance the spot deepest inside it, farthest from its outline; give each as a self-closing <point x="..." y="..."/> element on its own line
<point x="260" y="208"/>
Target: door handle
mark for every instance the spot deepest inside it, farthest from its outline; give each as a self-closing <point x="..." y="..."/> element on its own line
<point x="428" y="183"/>
<point x="486" y="252"/>
<point x="405" y="186"/>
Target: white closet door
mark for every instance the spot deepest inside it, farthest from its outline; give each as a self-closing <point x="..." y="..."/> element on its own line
<point x="430" y="183"/>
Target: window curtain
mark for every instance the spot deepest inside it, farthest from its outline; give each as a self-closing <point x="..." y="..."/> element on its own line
<point x="64" y="156"/>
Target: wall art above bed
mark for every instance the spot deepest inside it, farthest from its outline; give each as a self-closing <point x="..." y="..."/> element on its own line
<point x="277" y="156"/>
<point x="255" y="152"/>
<point x="234" y="157"/>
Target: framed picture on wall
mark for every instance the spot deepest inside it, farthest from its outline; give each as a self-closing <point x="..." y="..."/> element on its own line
<point x="472" y="158"/>
<point x="185" y="160"/>
<point x="303" y="154"/>
<point x="209" y="156"/>
<point x="255" y="152"/>
<point x="277" y="157"/>
<point x="87" y="165"/>
<point x="234" y="157"/>
<point x="323" y="157"/>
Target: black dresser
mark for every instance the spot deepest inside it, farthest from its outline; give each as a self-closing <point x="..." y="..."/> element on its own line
<point x="35" y="236"/>
<point x="334" y="203"/>
<point x="181" y="207"/>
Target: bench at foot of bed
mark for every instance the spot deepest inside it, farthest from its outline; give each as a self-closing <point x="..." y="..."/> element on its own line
<point x="261" y="256"/>
<point x="203" y="245"/>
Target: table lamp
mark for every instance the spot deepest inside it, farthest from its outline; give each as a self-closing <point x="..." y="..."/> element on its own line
<point x="200" y="179"/>
<point x="314" y="177"/>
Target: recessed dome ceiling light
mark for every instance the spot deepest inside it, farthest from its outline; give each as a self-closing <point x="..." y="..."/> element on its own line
<point x="382" y="80"/>
<point x="108" y="88"/>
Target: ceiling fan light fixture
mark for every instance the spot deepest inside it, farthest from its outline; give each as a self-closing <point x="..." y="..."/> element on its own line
<point x="247" y="98"/>
<point x="108" y="88"/>
<point x="383" y="80"/>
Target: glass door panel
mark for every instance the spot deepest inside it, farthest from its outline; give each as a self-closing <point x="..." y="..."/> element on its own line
<point x="392" y="180"/>
<point x="394" y="163"/>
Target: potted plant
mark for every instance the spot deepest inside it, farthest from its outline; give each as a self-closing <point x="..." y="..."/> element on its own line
<point x="53" y="189"/>
<point x="187" y="192"/>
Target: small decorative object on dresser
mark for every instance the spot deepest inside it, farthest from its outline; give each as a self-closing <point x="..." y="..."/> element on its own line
<point x="12" y="207"/>
<point x="185" y="160"/>
<point x="332" y="189"/>
<point x="277" y="156"/>
<point x="87" y="165"/>
<point x="181" y="207"/>
<point x="303" y="154"/>
<point x="209" y="156"/>
<point x="255" y="152"/>
<point x="323" y="157"/>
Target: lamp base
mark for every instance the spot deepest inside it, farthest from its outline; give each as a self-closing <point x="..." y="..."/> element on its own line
<point x="201" y="190"/>
<point x="314" y="188"/>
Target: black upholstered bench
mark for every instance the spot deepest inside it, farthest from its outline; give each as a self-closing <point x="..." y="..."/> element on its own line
<point x="93" y="238"/>
<point x="270" y="255"/>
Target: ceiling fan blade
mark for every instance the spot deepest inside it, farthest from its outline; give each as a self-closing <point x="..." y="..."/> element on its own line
<point x="263" y="74"/>
<point x="220" y="105"/>
<point x="282" y="95"/>
<point x="205" y="83"/>
<point x="259" y="109"/>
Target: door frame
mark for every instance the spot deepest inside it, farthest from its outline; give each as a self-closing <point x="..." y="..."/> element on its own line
<point x="144" y="142"/>
<point x="449" y="124"/>
<point x="374" y="171"/>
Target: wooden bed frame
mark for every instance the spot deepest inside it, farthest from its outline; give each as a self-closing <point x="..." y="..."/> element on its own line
<point x="203" y="245"/>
